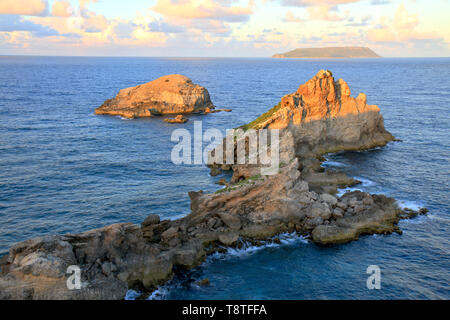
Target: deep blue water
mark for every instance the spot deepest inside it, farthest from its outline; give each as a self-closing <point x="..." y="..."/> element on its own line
<point x="63" y="169"/>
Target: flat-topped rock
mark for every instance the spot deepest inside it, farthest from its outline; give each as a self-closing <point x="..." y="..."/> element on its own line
<point x="329" y="53"/>
<point x="171" y="94"/>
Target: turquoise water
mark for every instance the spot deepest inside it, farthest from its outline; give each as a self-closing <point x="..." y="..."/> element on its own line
<point x="63" y="169"/>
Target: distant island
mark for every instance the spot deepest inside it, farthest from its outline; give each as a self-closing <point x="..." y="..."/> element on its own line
<point x="329" y="52"/>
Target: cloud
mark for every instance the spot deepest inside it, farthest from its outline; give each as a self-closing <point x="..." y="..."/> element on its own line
<point x="161" y="26"/>
<point x="315" y="3"/>
<point x="362" y="23"/>
<point x="84" y="3"/>
<point x="212" y="26"/>
<point x="379" y="2"/>
<point x="124" y="29"/>
<point x="290" y="17"/>
<point x="324" y="13"/>
<point x="12" y="23"/>
<point x="61" y="9"/>
<point x="23" y="7"/>
<point x="402" y="28"/>
<point x="94" y="22"/>
<point x="203" y="9"/>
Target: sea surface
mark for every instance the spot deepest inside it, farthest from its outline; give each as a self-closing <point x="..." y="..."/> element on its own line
<point x="64" y="169"/>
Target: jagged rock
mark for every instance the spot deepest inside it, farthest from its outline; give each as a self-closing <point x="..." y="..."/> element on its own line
<point x="328" y="198"/>
<point x="320" y="209"/>
<point x="337" y="213"/>
<point x="381" y="218"/>
<point x="171" y="94"/>
<point x="228" y="239"/>
<point x="169" y="234"/>
<point x="150" y="220"/>
<point x="231" y="221"/>
<point x="178" y="119"/>
<point x="203" y="282"/>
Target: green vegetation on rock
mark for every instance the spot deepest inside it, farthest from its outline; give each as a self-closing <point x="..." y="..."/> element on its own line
<point x="249" y="180"/>
<point x="261" y="118"/>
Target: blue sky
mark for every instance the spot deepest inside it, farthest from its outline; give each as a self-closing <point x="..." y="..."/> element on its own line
<point x="243" y="28"/>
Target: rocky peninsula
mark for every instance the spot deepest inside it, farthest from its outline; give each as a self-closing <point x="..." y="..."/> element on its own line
<point x="171" y="94"/>
<point x="329" y="53"/>
<point x="320" y="117"/>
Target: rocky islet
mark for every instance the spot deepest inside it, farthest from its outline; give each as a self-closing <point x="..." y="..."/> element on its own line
<point x="171" y="94"/>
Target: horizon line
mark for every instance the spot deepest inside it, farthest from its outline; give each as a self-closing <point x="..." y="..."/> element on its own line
<point x="219" y="57"/>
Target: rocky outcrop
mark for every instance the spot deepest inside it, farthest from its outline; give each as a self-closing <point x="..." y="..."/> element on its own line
<point x="121" y="256"/>
<point x="323" y="117"/>
<point x="320" y="117"/>
<point x="178" y="119"/>
<point x="171" y="94"/>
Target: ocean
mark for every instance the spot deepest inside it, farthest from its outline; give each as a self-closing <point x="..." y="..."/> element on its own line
<point x="64" y="169"/>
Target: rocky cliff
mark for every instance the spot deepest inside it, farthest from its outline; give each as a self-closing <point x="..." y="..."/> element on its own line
<point x="171" y="94"/>
<point x="320" y="117"/>
<point x="323" y="117"/>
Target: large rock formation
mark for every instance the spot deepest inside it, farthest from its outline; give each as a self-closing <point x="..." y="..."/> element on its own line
<point x="121" y="256"/>
<point x="320" y="117"/>
<point x="323" y="117"/>
<point x="171" y="94"/>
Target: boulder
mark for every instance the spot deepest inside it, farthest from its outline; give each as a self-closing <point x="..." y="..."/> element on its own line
<point x="229" y="238"/>
<point x="178" y="119"/>
<point x="150" y="220"/>
<point x="328" y="198"/>
<point x="231" y="221"/>
<point x="171" y="94"/>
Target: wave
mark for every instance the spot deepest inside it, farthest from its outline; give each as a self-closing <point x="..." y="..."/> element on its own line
<point x="246" y="249"/>
<point x="123" y="118"/>
<point x="365" y="182"/>
<point x="342" y="191"/>
<point x="329" y="163"/>
<point x="408" y="204"/>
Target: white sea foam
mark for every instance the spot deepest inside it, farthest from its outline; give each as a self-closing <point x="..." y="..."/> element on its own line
<point x="365" y="182"/>
<point x="248" y="249"/>
<point x="329" y="163"/>
<point x="409" y="204"/>
<point x="131" y="295"/>
<point x="160" y="293"/>
<point x="416" y="220"/>
<point x="342" y="191"/>
<point x="123" y="118"/>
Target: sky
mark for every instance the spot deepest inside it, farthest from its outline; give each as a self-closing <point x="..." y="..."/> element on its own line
<point x="222" y="28"/>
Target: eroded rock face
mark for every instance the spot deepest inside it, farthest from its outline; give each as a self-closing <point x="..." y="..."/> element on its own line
<point x="319" y="118"/>
<point x="323" y="117"/>
<point x="121" y="256"/>
<point x="171" y="94"/>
